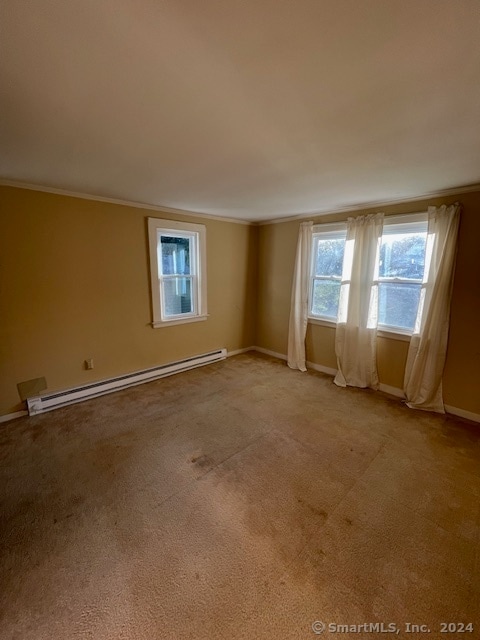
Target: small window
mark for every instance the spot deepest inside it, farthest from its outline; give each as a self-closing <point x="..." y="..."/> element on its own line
<point x="401" y="268"/>
<point x="178" y="271"/>
<point x="326" y="275"/>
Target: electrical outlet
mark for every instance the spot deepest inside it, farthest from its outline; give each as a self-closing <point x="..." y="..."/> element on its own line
<point x="89" y="363"/>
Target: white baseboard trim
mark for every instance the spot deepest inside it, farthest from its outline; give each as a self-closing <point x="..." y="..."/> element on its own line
<point x="267" y="352"/>
<point x="11" y="416"/>
<point x="393" y="391"/>
<point x="461" y="413"/>
<point x="237" y="352"/>
<point x="319" y="367"/>
<point x="385" y="388"/>
<point x="310" y="365"/>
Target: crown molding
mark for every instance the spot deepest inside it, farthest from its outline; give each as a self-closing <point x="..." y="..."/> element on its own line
<point x="373" y="204"/>
<point x="196" y="214"/>
<point x="125" y="203"/>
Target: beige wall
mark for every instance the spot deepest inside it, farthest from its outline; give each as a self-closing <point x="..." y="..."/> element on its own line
<point x="74" y="284"/>
<point x="277" y="246"/>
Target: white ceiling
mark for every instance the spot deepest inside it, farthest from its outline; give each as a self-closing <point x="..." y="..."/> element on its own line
<point x="253" y="109"/>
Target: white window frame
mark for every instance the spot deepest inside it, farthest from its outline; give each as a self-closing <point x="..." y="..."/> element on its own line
<point x="334" y="231"/>
<point x="197" y="234"/>
<point x="391" y="224"/>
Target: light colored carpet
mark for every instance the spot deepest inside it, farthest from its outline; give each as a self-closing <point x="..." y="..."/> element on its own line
<point x="240" y="500"/>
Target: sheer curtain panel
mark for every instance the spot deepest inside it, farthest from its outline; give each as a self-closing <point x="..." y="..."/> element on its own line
<point x="356" y="333"/>
<point x="297" y="328"/>
<point x="428" y="345"/>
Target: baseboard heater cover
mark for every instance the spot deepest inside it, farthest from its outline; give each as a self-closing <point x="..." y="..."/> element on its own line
<point x="48" y="402"/>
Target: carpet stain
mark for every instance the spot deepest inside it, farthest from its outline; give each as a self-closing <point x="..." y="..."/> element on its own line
<point x="203" y="461"/>
<point x="318" y="512"/>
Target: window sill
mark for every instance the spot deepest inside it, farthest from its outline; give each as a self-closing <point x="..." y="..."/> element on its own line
<point x="381" y="333"/>
<point x="168" y="323"/>
<point x="322" y="323"/>
<point x="394" y="335"/>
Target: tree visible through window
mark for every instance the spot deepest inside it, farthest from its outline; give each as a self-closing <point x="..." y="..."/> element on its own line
<point x="328" y="249"/>
<point x="401" y="267"/>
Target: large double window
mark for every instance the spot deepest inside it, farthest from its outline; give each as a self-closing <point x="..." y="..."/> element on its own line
<point x="401" y="265"/>
<point x="178" y="271"/>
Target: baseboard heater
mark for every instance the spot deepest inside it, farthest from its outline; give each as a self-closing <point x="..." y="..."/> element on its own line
<point x="48" y="402"/>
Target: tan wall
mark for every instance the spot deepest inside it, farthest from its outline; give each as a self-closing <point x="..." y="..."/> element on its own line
<point x="74" y="284"/>
<point x="277" y="247"/>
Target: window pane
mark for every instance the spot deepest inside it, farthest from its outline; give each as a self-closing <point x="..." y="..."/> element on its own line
<point x="402" y="255"/>
<point x="325" y="298"/>
<point x="398" y="304"/>
<point x="329" y="257"/>
<point x="177" y="296"/>
<point x="175" y="255"/>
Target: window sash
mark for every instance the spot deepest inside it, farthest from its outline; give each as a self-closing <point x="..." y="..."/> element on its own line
<point x="192" y="238"/>
<point x="393" y="328"/>
<point x="192" y="244"/>
<point x="336" y="231"/>
<point x="193" y="296"/>
<point x="398" y="225"/>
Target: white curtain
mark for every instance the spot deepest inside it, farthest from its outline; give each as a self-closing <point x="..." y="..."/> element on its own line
<point x="299" y="305"/>
<point x="356" y="333"/>
<point x="428" y="345"/>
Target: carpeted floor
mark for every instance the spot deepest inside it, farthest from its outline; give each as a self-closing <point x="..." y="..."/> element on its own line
<point x="240" y="500"/>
